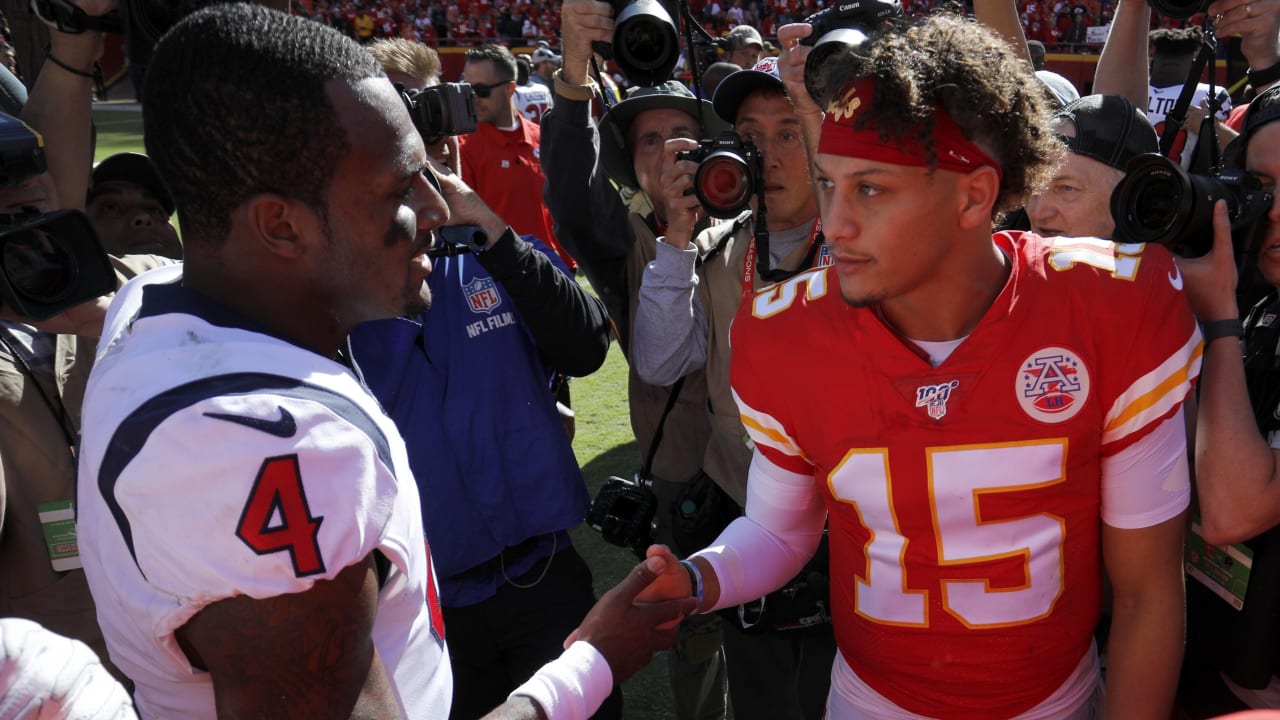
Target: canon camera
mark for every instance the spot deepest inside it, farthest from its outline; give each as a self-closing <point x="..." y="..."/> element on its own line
<point x="623" y="513"/>
<point x="645" y="43"/>
<point x="441" y="110"/>
<point x="840" y="27"/>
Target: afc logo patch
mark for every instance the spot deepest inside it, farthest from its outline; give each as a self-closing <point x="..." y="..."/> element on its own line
<point x="482" y="295"/>
<point x="935" y="397"/>
<point x="1052" y="385"/>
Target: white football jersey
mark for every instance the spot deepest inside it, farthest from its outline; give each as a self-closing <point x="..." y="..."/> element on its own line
<point x="532" y="100"/>
<point x="218" y="460"/>
<point x="1160" y="102"/>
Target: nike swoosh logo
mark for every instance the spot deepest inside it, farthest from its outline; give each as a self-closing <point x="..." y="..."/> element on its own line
<point x="285" y="427"/>
<point x="1175" y="278"/>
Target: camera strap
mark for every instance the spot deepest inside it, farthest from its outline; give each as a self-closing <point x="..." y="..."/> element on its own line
<point x="760" y="248"/>
<point x="1177" y="117"/>
<point x="54" y="403"/>
<point x="646" y="470"/>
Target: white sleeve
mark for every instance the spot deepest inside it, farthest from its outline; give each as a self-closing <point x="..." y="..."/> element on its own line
<point x="1150" y="481"/>
<point x="781" y="530"/>
<point x="46" y="676"/>
<point x="219" y="508"/>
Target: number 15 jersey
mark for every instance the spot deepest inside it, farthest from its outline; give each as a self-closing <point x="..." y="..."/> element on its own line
<point x="965" y="500"/>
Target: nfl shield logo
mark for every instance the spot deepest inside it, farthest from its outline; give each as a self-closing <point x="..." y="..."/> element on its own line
<point x="935" y="397"/>
<point x="482" y="295"/>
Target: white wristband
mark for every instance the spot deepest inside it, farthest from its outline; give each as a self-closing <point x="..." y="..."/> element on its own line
<point x="573" y="686"/>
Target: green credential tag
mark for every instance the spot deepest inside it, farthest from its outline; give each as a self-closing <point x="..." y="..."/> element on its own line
<point x="58" y="521"/>
<point x="1224" y="569"/>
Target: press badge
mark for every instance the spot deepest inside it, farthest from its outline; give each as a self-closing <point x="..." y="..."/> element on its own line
<point x="1224" y="569"/>
<point x="58" y="521"/>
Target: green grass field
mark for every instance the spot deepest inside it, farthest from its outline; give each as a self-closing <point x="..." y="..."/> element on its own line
<point x="603" y="443"/>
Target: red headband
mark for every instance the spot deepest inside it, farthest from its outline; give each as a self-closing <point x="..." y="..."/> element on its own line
<point x="839" y="137"/>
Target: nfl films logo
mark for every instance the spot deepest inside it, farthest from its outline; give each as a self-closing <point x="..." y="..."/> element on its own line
<point x="935" y="397"/>
<point x="482" y="295"/>
<point x="1052" y="385"/>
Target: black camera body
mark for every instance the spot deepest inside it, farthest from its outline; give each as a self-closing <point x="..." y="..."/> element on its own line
<point x="646" y="43"/>
<point x="844" y="25"/>
<point x="142" y="22"/>
<point x="441" y="110"/>
<point x="1159" y="202"/>
<point x="623" y="513"/>
<point x="730" y="171"/>
<point x="1179" y="9"/>
<point x="48" y="261"/>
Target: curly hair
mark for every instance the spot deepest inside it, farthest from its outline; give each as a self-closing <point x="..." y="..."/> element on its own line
<point x="1176" y="42"/>
<point x="235" y="105"/>
<point x="946" y="62"/>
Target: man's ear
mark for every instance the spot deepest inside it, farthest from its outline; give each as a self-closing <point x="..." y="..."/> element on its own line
<point x="282" y="226"/>
<point x="976" y="195"/>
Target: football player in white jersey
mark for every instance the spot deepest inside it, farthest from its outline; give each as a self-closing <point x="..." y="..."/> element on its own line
<point x="251" y="529"/>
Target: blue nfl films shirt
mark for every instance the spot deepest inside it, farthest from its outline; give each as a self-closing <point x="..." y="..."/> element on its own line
<point x="469" y="391"/>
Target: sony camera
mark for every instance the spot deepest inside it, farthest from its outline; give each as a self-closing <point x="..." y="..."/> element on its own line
<point x="840" y="27"/>
<point x="729" y="173"/>
<point x="441" y="110"/>
<point x="48" y="261"/>
<point x="645" y="43"/>
<point x="623" y="513"/>
<point x="1159" y="202"/>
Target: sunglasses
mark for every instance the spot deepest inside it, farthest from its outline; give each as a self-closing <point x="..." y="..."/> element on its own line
<point x="483" y="91"/>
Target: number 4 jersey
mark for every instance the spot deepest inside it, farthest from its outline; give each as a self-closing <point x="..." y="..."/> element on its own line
<point x="217" y="461"/>
<point x="965" y="501"/>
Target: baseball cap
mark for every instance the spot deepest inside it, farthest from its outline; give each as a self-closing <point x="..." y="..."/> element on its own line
<point x="130" y="167"/>
<point x="1109" y="129"/>
<point x="544" y="54"/>
<point x="742" y="36"/>
<point x="1059" y="86"/>
<point x="615" y="126"/>
<point x="735" y="88"/>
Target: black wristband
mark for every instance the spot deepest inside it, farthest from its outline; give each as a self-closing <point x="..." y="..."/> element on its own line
<point x="1221" y="329"/>
<point x="1258" y="78"/>
<point x="95" y="74"/>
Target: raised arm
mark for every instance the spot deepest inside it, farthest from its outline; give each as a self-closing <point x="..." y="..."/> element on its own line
<point x="1002" y="17"/>
<point x="1123" y="66"/>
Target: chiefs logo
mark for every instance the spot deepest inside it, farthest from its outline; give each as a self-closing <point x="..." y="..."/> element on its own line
<point x="1052" y="385"/>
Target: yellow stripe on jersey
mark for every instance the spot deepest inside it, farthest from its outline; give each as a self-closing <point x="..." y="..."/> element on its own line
<point x="765" y="430"/>
<point x="1153" y="395"/>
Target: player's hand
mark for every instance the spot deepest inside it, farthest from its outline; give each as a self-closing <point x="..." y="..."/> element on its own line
<point x="672" y="584"/>
<point x="628" y="632"/>
<point x="791" y="66"/>
<point x="676" y="177"/>
<point x="581" y="23"/>
<point x="1210" y="281"/>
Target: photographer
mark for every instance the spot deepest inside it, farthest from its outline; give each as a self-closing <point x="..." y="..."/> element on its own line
<point x="468" y="383"/>
<point x="583" y="162"/>
<point x="1237" y="448"/>
<point x="682" y="326"/>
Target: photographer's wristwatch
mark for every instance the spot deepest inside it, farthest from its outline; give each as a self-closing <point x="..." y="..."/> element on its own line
<point x="1218" y="329"/>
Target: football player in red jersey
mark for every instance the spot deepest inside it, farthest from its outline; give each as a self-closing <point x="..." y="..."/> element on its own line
<point x="983" y="440"/>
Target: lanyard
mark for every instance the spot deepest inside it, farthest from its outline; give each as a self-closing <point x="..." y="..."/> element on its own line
<point x="749" y="262"/>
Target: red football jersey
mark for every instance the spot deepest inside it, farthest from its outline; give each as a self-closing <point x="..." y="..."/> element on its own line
<point x="965" y="501"/>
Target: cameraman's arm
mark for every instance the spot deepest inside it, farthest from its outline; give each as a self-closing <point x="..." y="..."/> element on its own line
<point x="59" y="105"/>
<point x="1122" y="67"/>
<point x="591" y="222"/>
<point x="670" y="336"/>
<point x="570" y="326"/>
<point x="791" y="70"/>
<point x="1002" y="17"/>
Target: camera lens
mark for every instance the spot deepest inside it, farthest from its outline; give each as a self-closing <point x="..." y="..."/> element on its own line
<point x="645" y="45"/>
<point x="38" y="268"/>
<point x="838" y="41"/>
<point x="723" y="184"/>
<point x="1155" y="204"/>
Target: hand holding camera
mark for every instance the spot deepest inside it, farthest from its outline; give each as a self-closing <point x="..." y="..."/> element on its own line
<point x="684" y="207"/>
<point x="582" y="24"/>
<point x="1210" y="280"/>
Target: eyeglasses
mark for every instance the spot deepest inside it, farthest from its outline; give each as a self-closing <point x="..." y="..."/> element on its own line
<point x="483" y="91"/>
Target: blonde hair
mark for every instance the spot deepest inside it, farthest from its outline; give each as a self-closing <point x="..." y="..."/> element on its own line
<point x="406" y="56"/>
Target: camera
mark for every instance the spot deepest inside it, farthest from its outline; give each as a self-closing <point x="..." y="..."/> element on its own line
<point x="48" y="261"/>
<point x="729" y="173"/>
<point x="458" y="240"/>
<point x="842" y="26"/>
<point x="645" y="41"/>
<point x="1179" y="9"/>
<point x="1159" y="202"/>
<point x="623" y="513"/>
<point x="440" y="110"/>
